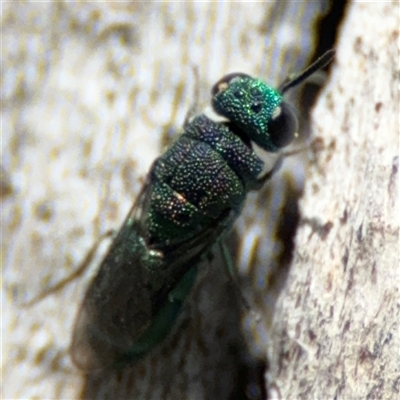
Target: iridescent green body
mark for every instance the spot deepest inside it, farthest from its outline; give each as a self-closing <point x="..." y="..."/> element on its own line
<point x="193" y="194"/>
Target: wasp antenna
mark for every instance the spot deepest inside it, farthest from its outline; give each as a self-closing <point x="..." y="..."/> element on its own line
<point x="325" y="59"/>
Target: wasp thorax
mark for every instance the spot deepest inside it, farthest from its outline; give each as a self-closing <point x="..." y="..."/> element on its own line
<point x="256" y="109"/>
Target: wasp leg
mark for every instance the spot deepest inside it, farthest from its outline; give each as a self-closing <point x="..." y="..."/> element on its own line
<point x="78" y="272"/>
<point x="278" y="164"/>
<point x="228" y="263"/>
<point x="275" y="168"/>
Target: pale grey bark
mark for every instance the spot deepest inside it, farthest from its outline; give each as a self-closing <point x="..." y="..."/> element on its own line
<point x="337" y="322"/>
<point x="89" y="91"/>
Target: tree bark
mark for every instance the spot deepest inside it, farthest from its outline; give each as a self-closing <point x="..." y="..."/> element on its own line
<point x="91" y="93"/>
<point x="337" y="321"/>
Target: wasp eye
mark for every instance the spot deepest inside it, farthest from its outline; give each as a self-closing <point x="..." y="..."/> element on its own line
<point x="283" y="125"/>
<point x="224" y="82"/>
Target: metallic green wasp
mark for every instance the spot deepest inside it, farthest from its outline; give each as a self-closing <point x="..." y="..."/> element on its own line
<point x="192" y="195"/>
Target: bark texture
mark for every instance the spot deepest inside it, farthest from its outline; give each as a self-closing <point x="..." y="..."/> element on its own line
<point x="92" y="93"/>
<point x="337" y="322"/>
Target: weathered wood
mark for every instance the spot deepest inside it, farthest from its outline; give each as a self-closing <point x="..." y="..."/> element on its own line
<point x="337" y="332"/>
<point x="90" y="93"/>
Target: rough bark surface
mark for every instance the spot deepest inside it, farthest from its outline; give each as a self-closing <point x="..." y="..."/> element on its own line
<point x="337" y="322"/>
<point x="90" y="95"/>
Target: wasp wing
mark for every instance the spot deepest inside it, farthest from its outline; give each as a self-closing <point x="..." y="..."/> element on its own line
<point x="129" y="307"/>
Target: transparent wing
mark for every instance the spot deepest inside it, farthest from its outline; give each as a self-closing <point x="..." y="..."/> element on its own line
<point x="124" y="299"/>
<point x="117" y="307"/>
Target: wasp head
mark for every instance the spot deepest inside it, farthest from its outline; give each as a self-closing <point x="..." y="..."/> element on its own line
<point x="257" y="109"/>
